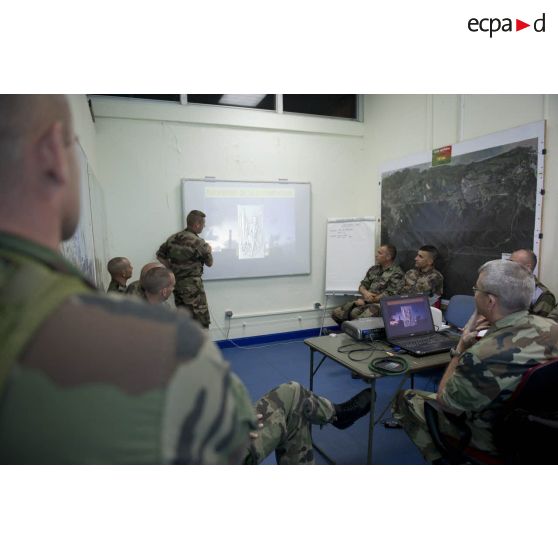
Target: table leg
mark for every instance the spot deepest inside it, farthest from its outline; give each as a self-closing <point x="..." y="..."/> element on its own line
<point x="372" y="419"/>
<point x="312" y="374"/>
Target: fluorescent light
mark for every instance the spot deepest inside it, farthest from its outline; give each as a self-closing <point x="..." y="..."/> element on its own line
<point x="241" y="100"/>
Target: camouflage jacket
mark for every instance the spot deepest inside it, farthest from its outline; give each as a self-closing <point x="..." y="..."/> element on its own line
<point x="554" y="314"/>
<point x="430" y="283"/>
<point x="544" y="300"/>
<point x="115" y="287"/>
<point x="488" y="373"/>
<point x="384" y="282"/>
<point x="101" y="379"/>
<point x="136" y="289"/>
<point x="186" y="253"/>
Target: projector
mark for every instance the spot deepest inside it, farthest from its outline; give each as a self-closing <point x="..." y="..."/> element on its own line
<point x="365" y="328"/>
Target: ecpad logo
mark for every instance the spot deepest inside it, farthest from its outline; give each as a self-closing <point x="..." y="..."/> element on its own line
<point x="493" y="25"/>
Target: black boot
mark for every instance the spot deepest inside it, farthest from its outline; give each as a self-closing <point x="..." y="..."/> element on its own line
<point x="350" y="411"/>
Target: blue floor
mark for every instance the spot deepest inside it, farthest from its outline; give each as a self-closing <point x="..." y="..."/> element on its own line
<point x="261" y="368"/>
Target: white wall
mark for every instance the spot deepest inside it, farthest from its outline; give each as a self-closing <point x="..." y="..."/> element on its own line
<point x="144" y="149"/>
<point x="141" y="163"/>
<point x="84" y="127"/>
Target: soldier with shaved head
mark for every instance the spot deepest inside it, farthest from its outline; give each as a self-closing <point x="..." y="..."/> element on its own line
<point x="483" y="373"/>
<point x="158" y="284"/>
<point x="135" y="287"/>
<point x="120" y="270"/>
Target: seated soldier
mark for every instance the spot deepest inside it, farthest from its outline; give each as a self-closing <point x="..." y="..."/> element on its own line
<point x="135" y="287"/>
<point x="120" y="270"/>
<point x="483" y="373"/>
<point x="157" y="284"/>
<point x="383" y="279"/>
<point x="425" y="278"/>
<point x="543" y="300"/>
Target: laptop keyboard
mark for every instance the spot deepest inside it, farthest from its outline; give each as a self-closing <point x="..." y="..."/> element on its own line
<point x="426" y="341"/>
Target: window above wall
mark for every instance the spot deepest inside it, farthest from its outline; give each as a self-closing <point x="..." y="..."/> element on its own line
<point x="336" y="106"/>
<point x="265" y="102"/>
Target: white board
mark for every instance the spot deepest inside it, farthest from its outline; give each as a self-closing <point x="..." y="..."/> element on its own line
<point x="351" y="244"/>
<point x="255" y="229"/>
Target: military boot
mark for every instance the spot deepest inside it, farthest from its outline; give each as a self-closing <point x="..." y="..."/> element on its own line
<point x="350" y="411"/>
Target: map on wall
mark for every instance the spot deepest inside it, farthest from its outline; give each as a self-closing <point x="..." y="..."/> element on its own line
<point x="484" y="203"/>
<point x="80" y="249"/>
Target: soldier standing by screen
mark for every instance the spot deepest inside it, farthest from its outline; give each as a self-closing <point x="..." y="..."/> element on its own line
<point x="185" y="254"/>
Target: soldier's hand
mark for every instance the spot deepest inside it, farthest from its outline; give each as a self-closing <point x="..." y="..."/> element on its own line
<point x="254" y="435"/>
<point x="469" y="337"/>
<point x="360" y="302"/>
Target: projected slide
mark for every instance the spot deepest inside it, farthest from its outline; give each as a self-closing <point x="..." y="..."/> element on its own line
<point x="255" y="229"/>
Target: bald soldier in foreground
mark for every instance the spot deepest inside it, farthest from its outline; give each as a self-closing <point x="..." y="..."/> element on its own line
<point x="69" y="392"/>
<point x="88" y="378"/>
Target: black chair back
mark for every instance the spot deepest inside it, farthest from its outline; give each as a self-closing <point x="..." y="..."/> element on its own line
<point x="528" y="432"/>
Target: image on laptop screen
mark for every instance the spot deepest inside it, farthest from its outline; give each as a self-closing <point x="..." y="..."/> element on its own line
<point x="407" y="316"/>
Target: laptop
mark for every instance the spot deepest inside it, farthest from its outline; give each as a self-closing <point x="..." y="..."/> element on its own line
<point x="409" y="325"/>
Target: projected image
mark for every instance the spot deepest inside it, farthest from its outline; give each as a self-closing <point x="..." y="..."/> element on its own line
<point x="239" y="229"/>
<point x="251" y="232"/>
<point x="254" y="229"/>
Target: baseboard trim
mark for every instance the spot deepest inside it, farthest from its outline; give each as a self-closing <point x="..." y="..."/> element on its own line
<point x="273" y="337"/>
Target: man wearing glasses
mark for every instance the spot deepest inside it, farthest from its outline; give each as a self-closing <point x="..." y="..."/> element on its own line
<point x="484" y="371"/>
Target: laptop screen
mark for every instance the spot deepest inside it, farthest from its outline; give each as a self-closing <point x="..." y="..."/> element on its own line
<point x="407" y="316"/>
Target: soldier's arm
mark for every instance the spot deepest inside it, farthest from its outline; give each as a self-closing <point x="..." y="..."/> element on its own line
<point x="163" y="254"/>
<point x="438" y="286"/>
<point x="408" y="283"/>
<point x="554" y="314"/>
<point x="366" y="294"/>
<point x="206" y="254"/>
<point x="365" y="285"/>
<point x="165" y="262"/>
<point x="468" y="385"/>
<point x="395" y="285"/>
<point x="544" y="304"/>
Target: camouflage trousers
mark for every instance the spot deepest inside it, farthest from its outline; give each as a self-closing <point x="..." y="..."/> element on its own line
<point x="288" y="411"/>
<point x="350" y="311"/>
<point x="190" y="294"/>
<point x="408" y="409"/>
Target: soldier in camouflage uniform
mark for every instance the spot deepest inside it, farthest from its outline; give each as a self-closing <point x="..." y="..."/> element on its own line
<point x="483" y="374"/>
<point x="120" y="270"/>
<point x="425" y="278"/>
<point x="383" y="279"/>
<point x="288" y="411"/>
<point x="135" y="287"/>
<point x="543" y="300"/>
<point x="554" y="314"/>
<point x="185" y="254"/>
<point x="86" y="378"/>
